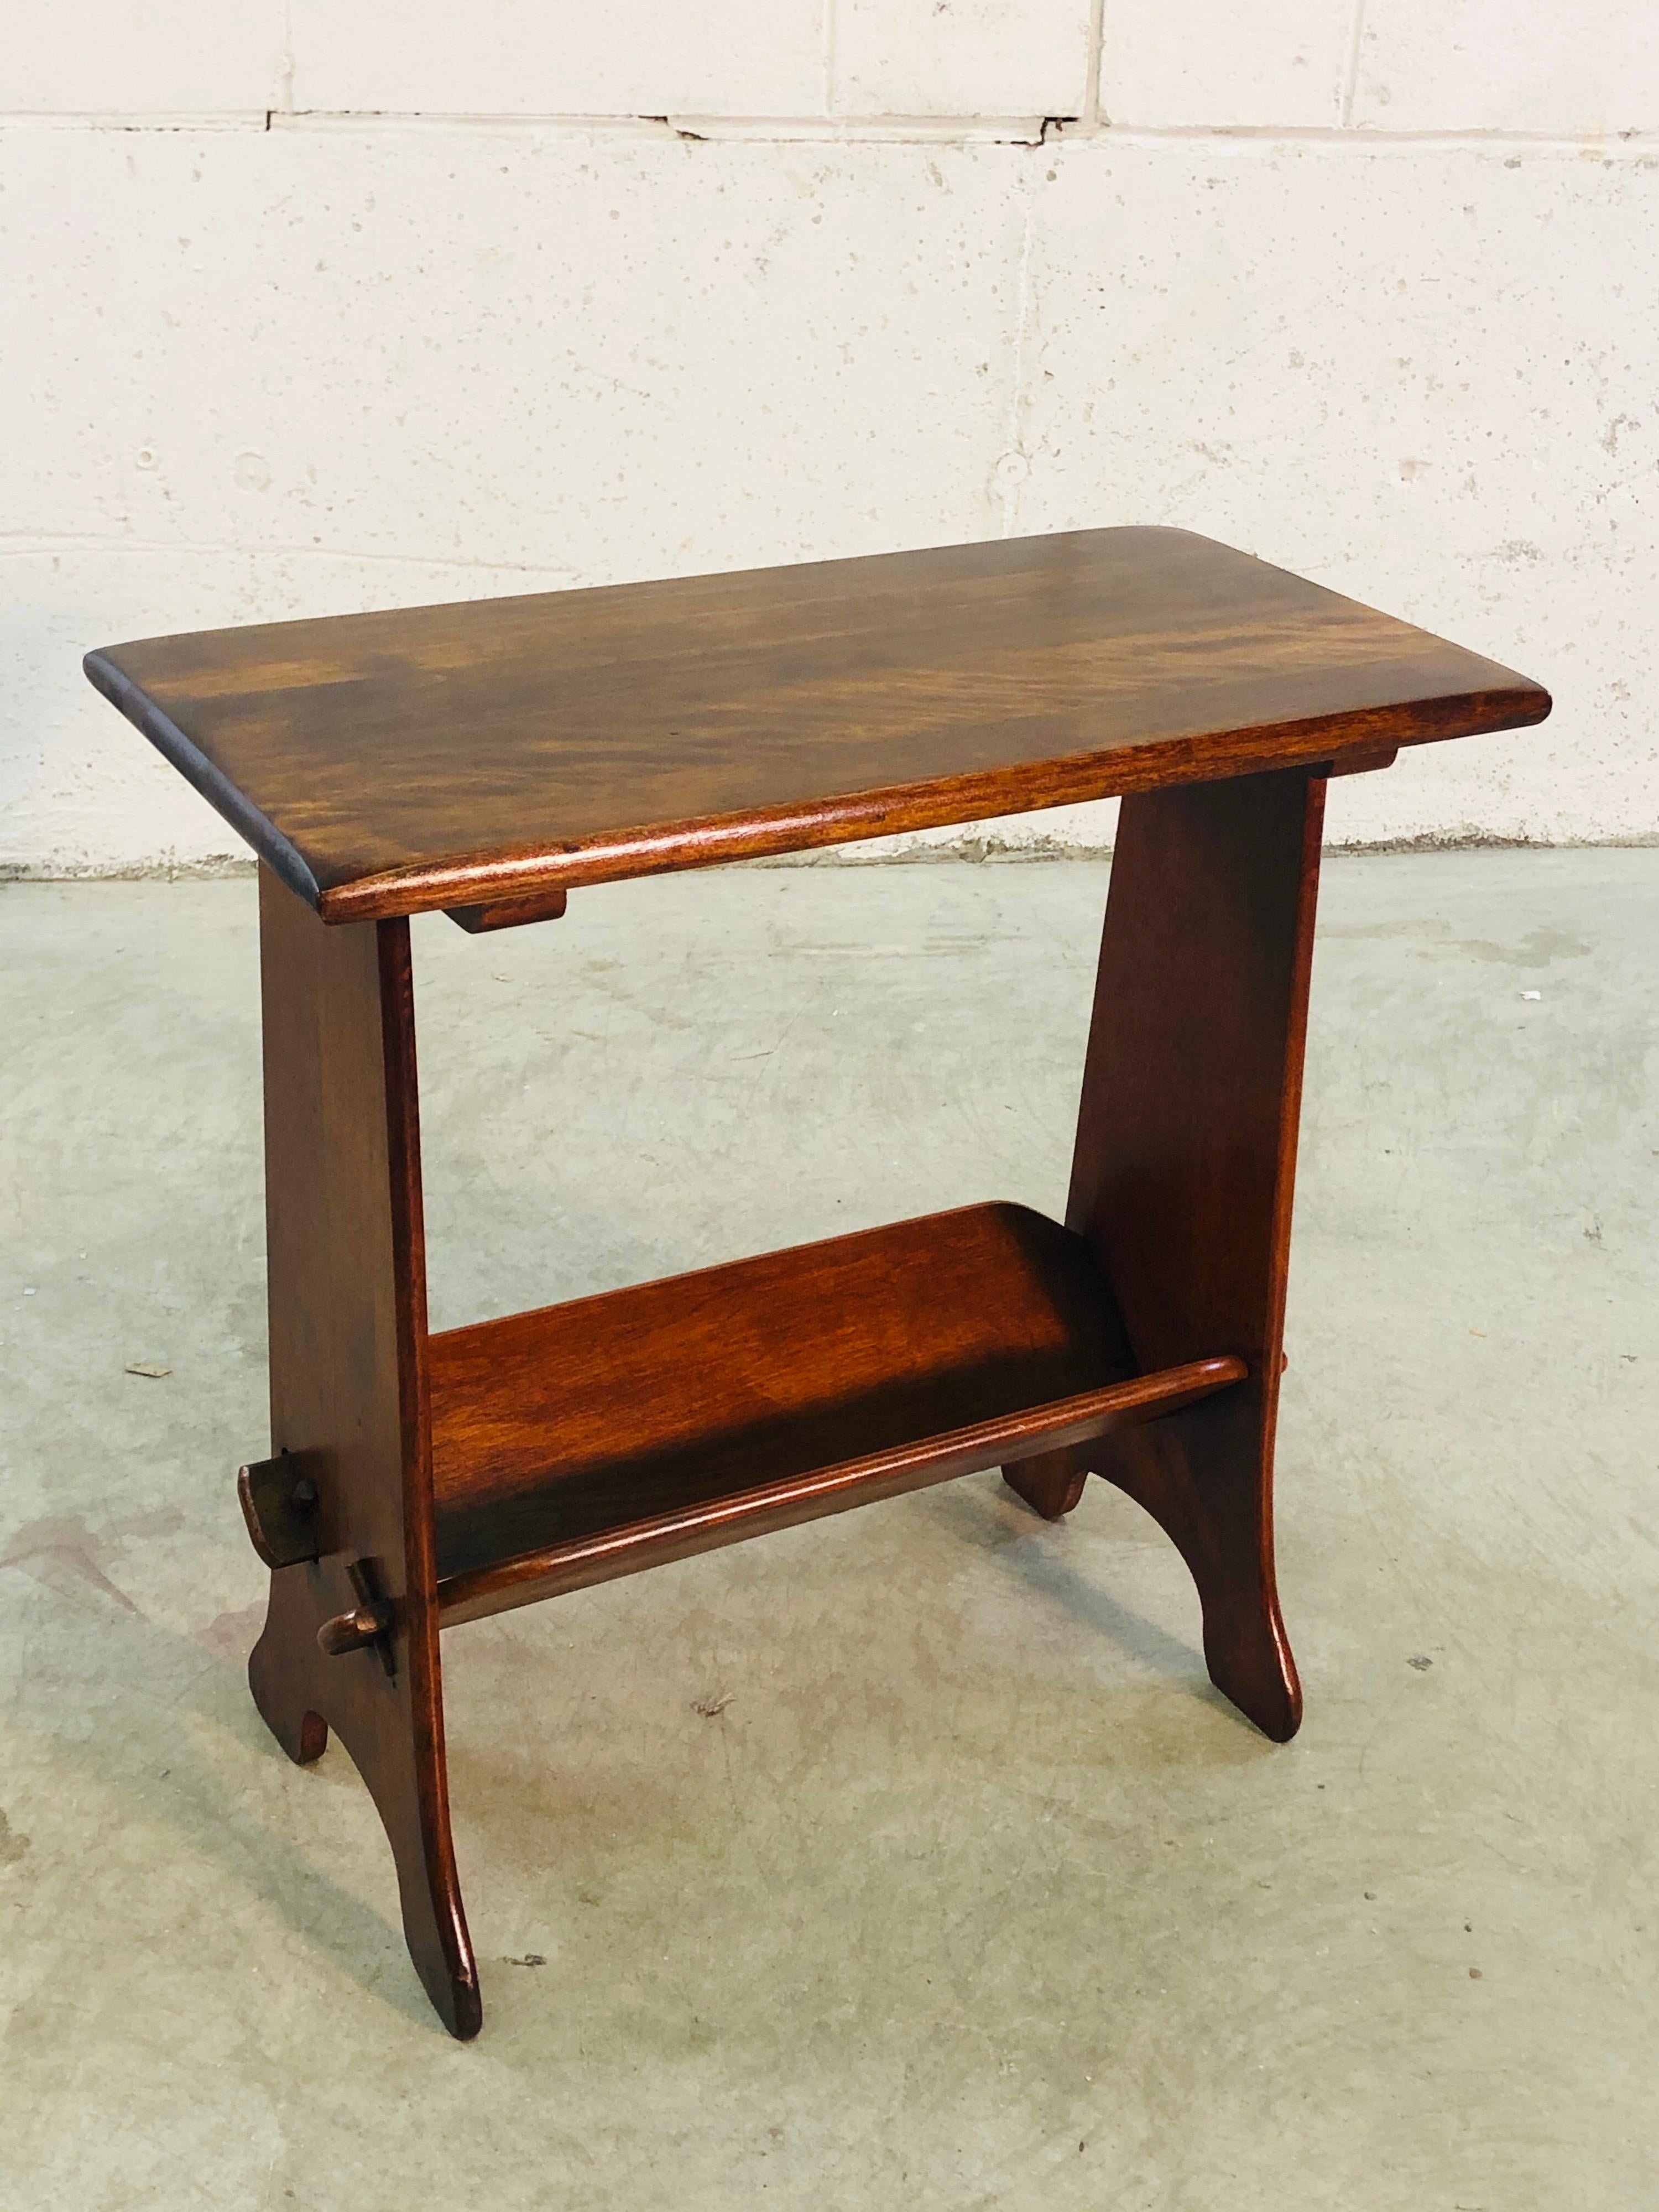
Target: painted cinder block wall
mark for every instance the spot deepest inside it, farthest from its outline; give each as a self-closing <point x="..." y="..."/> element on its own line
<point x="309" y="309"/>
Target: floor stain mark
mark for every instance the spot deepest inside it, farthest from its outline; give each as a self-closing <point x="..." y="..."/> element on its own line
<point x="61" y="1544"/>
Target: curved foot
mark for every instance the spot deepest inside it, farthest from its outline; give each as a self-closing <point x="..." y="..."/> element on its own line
<point x="394" y="1735"/>
<point x="1201" y="1476"/>
<point x="1250" y="1660"/>
<point x="1051" y="1483"/>
<point x="407" y="1784"/>
<point x="414" y="1808"/>
<point x="434" y="1930"/>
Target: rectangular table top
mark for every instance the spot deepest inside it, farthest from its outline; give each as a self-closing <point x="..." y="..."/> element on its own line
<point x="429" y="756"/>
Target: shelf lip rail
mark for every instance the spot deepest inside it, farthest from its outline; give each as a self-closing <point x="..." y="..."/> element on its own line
<point x="554" y="1568"/>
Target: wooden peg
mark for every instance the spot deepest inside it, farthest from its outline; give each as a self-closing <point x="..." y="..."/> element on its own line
<point x="354" y="1631"/>
<point x="369" y="1623"/>
<point x="278" y="1497"/>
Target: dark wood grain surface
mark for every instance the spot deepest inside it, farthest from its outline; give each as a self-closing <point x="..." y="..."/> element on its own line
<point x="877" y="1352"/>
<point x="1183" y="1170"/>
<point x="760" y="1368"/>
<point x="347" y="1289"/>
<point x="463" y="755"/>
<point x="701" y="1523"/>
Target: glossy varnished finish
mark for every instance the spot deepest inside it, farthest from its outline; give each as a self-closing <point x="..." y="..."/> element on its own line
<point x="1184" y="1168"/>
<point x="349" y="1396"/>
<point x="483" y="758"/>
<point x="680" y="1389"/>
<point x="686" y="1412"/>
<point x="703" y="1523"/>
<point x="480" y="755"/>
<point x="509" y="914"/>
<point x="1051" y="1482"/>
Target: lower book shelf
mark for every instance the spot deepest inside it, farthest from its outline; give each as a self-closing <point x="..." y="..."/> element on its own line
<point x="589" y="1440"/>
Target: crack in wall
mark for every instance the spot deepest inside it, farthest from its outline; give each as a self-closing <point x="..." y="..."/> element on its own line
<point x="1014" y="464"/>
<point x="1350" y="87"/>
<point x="1035" y="133"/>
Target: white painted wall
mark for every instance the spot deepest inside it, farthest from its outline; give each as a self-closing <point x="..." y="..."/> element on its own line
<point x="308" y="309"/>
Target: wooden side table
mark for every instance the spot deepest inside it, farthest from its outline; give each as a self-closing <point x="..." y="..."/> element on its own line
<point x="490" y="757"/>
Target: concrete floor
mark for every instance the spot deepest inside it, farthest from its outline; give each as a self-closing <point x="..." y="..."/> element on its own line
<point x="970" y="1891"/>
